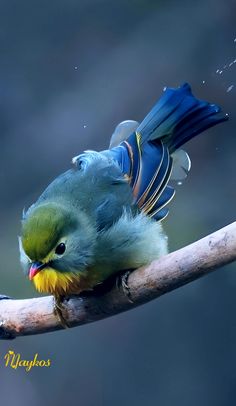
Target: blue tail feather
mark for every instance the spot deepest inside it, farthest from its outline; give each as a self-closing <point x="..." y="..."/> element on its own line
<point x="169" y="119"/>
<point x="146" y="155"/>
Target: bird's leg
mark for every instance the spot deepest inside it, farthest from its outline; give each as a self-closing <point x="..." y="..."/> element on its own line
<point x="58" y="310"/>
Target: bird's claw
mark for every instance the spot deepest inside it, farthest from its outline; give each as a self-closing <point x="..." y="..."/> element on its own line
<point x="58" y="310"/>
<point x="123" y="282"/>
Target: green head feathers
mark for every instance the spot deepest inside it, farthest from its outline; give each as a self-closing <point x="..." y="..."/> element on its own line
<point x="43" y="228"/>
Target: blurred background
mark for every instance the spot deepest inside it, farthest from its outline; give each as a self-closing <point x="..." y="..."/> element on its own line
<point x="69" y="72"/>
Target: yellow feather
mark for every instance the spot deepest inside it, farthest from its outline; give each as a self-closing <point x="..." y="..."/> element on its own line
<point x="51" y="281"/>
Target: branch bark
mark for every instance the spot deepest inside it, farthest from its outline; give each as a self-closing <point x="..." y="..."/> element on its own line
<point x="35" y="316"/>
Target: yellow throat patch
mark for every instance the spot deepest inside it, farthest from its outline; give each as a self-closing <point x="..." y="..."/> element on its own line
<point x="51" y="281"/>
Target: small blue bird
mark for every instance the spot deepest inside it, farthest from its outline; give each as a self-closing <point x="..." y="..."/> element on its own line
<point x="104" y="215"/>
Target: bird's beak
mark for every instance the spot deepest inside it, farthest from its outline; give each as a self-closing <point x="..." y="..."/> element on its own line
<point x="35" y="268"/>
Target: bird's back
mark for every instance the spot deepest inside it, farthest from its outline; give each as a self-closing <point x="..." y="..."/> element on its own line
<point x="95" y="186"/>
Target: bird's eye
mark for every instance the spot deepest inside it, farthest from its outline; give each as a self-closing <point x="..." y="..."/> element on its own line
<point x="60" y="249"/>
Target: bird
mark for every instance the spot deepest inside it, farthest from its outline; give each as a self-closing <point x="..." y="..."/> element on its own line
<point x="104" y="215"/>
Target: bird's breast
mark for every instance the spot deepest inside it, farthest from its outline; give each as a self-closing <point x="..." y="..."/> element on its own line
<point x="52" y="281"/>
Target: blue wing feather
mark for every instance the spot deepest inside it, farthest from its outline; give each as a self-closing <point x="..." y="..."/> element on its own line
<point x="145" y="157"/>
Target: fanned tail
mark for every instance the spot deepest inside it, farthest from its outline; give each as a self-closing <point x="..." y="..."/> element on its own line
<point x="146" y="154"/>
<point x="178" y="117"/>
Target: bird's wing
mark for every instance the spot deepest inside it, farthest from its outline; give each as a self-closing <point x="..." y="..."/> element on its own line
<point x="181" y="165"/>
<point x="148" y="169"/>
<point x="181" y="159"/>
<point x="122" y="131"/>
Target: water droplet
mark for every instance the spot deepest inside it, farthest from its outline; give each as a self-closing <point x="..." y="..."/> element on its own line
<point x="164" y="88"/>
<point x="217" y="71"/>
<point x="220" y="72"/>
<point x="85" y="126"/>
<point x="226" y="114"/>
<point x="76" y="67"/>
<point x="230" y="88"/>
<point x="203" y="82"/>
<point x="179" y="183"/>
<point x="231" y="63"/>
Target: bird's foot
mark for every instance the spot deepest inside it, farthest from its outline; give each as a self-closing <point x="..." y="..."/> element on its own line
<point x="58" y="310"/>
<point x="122" y="281"/>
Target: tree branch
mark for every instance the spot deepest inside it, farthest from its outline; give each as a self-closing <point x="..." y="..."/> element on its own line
<point x="35" y="316"/>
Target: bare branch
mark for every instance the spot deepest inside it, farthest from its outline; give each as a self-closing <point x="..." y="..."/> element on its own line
<point x="35" y="316"/>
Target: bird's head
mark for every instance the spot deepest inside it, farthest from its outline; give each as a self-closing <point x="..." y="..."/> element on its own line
<point x="55" y="245"/>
